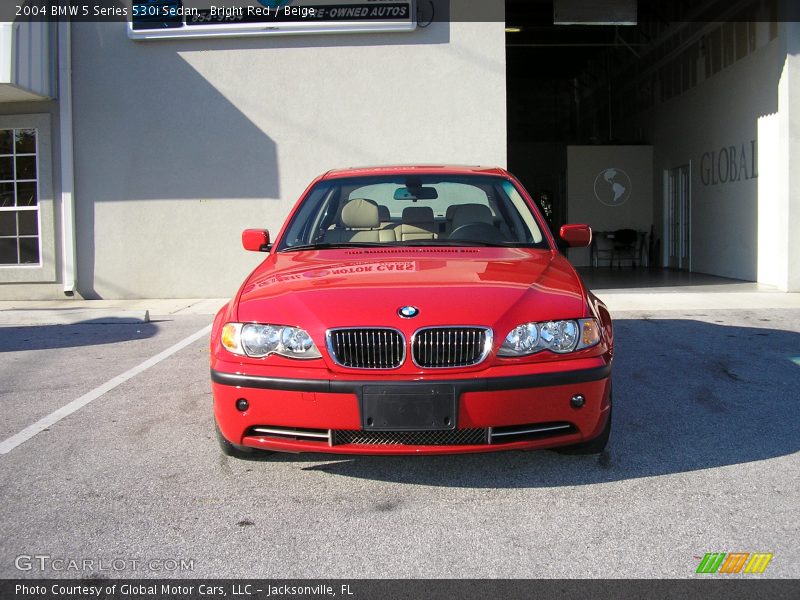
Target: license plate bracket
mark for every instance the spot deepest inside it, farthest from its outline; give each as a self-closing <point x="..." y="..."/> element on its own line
<point x="415" y="407"/>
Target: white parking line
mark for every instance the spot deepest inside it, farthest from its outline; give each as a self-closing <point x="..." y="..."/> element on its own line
<point x="54" y="417"/>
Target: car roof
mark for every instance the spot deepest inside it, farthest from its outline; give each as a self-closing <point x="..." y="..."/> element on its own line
<point x="414" y="170"/>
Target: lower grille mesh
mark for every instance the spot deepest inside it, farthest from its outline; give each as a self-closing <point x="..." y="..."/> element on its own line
<point x="457" y="437"/>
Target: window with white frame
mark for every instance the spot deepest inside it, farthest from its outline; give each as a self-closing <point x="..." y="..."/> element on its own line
<point x="19" y="198"/>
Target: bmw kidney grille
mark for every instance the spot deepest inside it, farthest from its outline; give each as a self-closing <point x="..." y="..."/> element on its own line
<point x="431" y="347"/>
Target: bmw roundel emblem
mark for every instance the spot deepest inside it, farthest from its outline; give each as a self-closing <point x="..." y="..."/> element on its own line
<point x="407" y="312"/>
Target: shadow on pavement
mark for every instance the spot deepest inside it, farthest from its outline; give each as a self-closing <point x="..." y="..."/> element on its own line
<point x="688" y="395"/>
<point x="86" y="333"/>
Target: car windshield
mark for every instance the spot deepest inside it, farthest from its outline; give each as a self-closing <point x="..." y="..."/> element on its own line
<point x="413" y="210"/>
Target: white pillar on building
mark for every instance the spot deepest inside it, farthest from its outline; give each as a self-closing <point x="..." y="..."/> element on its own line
<point x="789" y="108"/>
<point x="779" y="175"/>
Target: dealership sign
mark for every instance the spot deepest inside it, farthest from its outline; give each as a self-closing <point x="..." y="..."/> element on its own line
<point x="729" y="164"/>
<point x="157" y="19"/>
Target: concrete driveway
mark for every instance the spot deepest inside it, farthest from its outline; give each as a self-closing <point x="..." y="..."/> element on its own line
<point x="703" y="458"/>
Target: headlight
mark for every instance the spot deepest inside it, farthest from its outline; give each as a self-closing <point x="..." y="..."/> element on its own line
<point x="258" y="341"/>
<point x="560" y="337"/>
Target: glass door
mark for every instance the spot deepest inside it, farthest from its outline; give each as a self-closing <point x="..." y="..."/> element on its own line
<point x="678" y="217"/>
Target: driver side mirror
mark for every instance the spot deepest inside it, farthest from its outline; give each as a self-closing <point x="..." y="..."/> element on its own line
<point x="255" y="240"/>
<point x="576" y="236"/>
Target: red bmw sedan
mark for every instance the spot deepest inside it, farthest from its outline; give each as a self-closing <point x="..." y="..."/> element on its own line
<point x="413" y="310"/>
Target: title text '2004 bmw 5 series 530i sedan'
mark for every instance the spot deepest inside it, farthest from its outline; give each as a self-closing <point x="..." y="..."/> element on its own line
<point x="413" y="310"/>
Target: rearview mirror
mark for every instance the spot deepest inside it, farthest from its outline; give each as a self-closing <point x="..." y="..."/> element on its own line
<point x="255" y="240"/>
<point x="416" y="193"/>
<point x="576" y="236"/>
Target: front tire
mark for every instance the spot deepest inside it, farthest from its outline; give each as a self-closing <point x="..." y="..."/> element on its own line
<point x="595" y="446"/>
<point x="236" y="451"/>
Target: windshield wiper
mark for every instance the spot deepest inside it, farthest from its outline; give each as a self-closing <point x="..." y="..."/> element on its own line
<point x="459" y="243"/>
<point x="331" y="246"/>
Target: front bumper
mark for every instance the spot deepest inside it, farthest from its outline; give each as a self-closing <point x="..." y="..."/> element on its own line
<point x="518" y="412"/>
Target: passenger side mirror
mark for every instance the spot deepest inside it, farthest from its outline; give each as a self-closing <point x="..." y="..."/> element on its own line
<point x="255" y="240"/>
<point x="576" y="236"/>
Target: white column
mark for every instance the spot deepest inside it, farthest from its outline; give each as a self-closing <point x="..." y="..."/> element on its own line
<point x="69" y="248"/>
<point x="779" y="174"/>
<point x="789" y="108"/>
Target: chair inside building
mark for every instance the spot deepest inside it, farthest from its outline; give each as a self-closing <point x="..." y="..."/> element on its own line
<point x="625" y="247"/>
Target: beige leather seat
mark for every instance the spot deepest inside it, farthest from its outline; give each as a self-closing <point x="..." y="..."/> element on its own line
<point x="471" y="213"/>
<point x="360" y="222"/>
<point x="418" y="224"/>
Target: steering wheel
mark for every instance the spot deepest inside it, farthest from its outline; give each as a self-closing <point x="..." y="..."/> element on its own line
<point x="478" y="232"/>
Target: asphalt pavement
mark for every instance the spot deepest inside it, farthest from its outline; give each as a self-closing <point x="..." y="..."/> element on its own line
<point x="703" y="458"/>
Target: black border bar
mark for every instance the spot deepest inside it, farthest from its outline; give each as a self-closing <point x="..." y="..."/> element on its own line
<point x="717" y="588"/>
<point x="533" y="11"/>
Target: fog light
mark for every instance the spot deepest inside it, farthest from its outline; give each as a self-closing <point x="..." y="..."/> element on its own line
<point x="242" y="404"/>
<point x="577" y="401"/>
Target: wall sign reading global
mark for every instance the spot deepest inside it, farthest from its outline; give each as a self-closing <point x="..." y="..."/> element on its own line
<point x="612" y="187"/>
<point x="729" y="164"/>
<point x="158" y="19"/>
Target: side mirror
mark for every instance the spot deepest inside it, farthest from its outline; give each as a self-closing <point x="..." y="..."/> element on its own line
<point x="576" y="236"/>
<point x="255" y="240"/>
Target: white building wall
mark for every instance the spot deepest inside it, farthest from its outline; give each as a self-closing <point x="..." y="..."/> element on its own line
<point x="699" y="126"/>
<point x="179" y="145"/>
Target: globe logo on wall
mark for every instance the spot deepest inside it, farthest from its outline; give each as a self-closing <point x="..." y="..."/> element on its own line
<point x="612" y="187"/>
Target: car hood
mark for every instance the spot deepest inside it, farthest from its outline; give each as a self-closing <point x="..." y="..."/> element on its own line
<point x="493" y="287"/>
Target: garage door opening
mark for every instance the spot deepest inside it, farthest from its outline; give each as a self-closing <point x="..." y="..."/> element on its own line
<point x="606" y="114"/>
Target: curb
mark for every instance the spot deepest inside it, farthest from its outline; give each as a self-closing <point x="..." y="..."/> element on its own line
<point x="72" y="316"/>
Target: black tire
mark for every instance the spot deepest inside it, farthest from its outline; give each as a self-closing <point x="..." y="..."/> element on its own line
<point x="595" y="446"/>
<point x="236" y="451"/>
